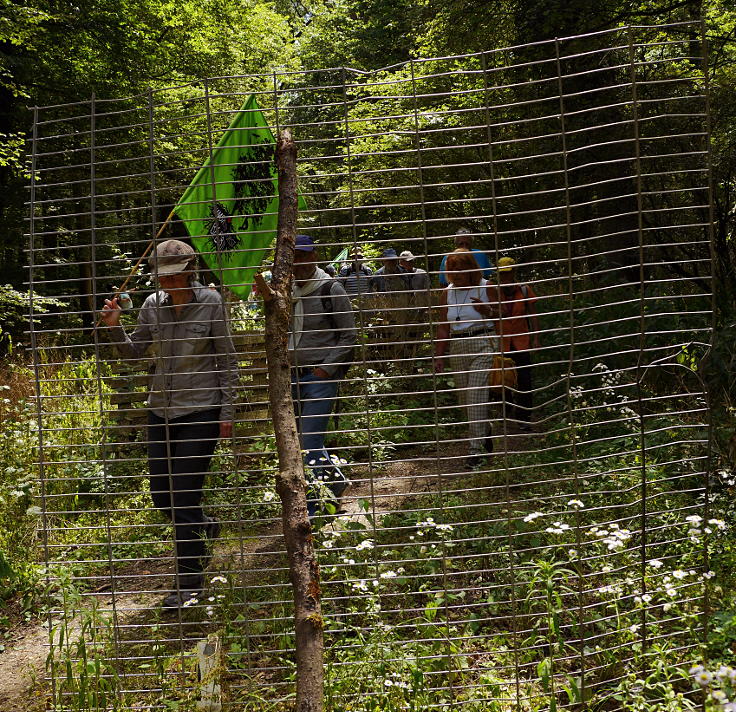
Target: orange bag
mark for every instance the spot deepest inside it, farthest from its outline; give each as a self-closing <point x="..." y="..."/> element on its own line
<point x="502" y="373"/>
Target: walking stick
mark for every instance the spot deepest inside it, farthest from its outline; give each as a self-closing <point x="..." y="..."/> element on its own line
<point x="119" y="291"/>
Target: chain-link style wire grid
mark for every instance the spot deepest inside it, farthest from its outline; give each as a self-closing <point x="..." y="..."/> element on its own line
<point x="560" y="569"/>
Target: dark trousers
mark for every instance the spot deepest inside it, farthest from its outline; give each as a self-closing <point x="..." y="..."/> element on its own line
<point x="179" y="455"/>
<point x="522" y="398"/>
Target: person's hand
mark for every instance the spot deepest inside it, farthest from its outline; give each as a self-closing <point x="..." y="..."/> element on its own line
<point x="483" y="308"/>
<point x="321" y="373"/>
<point x="111" y="312"/>
<point x="226" y="429"/>
<point x="439" y="364"/>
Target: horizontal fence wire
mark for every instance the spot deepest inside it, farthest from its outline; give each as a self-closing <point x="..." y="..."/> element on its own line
<point x="527" y="547"/>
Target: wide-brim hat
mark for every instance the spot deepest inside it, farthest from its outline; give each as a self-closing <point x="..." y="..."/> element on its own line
<point x="171" y="257"/>
<point x="407" y="256"/>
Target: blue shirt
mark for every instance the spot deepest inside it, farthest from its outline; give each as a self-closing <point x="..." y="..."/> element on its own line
<point x="480" y="257"/>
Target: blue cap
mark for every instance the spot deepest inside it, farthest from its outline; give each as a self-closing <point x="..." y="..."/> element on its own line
<point x="304" y="243"/>
<point x="390" y="252"/>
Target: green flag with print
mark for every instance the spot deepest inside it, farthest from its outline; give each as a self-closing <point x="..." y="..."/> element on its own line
<point x="230" y="209"/>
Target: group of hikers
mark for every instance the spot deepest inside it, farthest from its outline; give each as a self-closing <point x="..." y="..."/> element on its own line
<point x="191" y="400"/>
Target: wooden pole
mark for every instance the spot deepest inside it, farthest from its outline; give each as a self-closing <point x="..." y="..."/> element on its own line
<point x="290" y="482"/>
<point x="140" y="259"/>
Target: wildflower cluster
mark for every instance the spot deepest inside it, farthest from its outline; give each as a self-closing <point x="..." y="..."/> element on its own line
<point x="697" y="526"/>
<point x="718" y="685"/>
<point x="614" y="537"/>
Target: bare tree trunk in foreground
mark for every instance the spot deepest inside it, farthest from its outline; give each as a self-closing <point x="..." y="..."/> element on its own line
<point x="290" y="482"/>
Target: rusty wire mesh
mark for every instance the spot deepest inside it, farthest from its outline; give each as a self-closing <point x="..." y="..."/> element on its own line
<point x="562" y="566"/>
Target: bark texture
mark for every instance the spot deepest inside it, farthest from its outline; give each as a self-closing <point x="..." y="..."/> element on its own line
<point x="290" y="482"/>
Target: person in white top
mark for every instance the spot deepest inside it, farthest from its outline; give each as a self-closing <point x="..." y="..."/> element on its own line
<point x="466" y="325"/>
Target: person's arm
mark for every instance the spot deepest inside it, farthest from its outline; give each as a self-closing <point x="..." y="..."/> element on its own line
<point x="489" y="308"/>
<point x="227" y="368"/>
<point x="443" y="335"/>
<point x="443" y="276"/>
<point x="130" y="347"/>
<point x="533" y="324"/>
<point x="344" y="320"/>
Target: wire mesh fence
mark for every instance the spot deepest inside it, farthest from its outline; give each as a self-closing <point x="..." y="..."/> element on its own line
<point x="532" y="546"/>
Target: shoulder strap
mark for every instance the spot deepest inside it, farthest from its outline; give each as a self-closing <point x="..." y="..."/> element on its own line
<point x="325" y="293"/>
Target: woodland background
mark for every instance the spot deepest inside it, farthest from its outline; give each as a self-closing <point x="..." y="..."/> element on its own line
<point x="63" y="52"/>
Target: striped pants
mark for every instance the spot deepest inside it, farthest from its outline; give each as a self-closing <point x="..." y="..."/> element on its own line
<point x="470" y="362"/>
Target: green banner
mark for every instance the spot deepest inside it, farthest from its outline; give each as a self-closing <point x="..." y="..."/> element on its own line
<point x="230" y="209"/>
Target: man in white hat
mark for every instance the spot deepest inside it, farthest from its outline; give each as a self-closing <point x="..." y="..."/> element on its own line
<point x="190" y="405"/>
<point x="418" y="278"/>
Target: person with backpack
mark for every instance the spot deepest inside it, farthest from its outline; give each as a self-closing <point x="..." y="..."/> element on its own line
<point x="356" y="275"/>
<point x="322" y="337"/>
<point x="518" y="327"/>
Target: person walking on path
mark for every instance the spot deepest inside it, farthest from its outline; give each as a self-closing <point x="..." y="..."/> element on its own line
<point x="356" y="275"/>
<point x="190" y="405"/>
<point x="466" y="328"/>
<point x="391" y="277"/>
<point x="464" y="241"/>
<point x="418" y="279"/>
<point x="321" y="342"/>
<point x="518" y="327"/>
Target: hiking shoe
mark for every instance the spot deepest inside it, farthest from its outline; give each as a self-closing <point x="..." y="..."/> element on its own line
<point x="338" y="486"/>
<point x="182" y="599"/>
<point x="476" y="462"/>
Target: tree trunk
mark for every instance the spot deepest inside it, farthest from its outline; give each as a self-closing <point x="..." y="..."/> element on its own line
<point x="290" y="482"/>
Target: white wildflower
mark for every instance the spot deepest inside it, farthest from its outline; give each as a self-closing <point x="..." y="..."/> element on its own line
<point x="703" y="678"/>
<point x="679" y="574"/>
<point x="655" y="564"/>
<point x="388" y="574"/>
<point x="365" y="544"/>
<point x="534" y="515"/>
<point x="557" y="528"/>
<point x="576" y="503"/>
<point x="218" y="579"/>
<point x="269" y="496"/>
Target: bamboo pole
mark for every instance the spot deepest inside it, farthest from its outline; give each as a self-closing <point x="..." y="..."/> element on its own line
<point x="120" y="290"/>
<point x="290" y="482"/>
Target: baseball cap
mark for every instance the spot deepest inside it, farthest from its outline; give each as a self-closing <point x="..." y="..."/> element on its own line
<point x="505" y="264"/>
<point x="171" y="257"/>
<point x="389" y="253"/>
<point x="406" y="255"/>
<point x="304" y="243"/>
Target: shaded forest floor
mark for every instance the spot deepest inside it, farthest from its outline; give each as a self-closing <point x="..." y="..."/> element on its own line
<point x="23" y="683"/>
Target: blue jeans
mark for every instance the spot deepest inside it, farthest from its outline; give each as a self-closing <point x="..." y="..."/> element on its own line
<point x="314" y="399"/>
